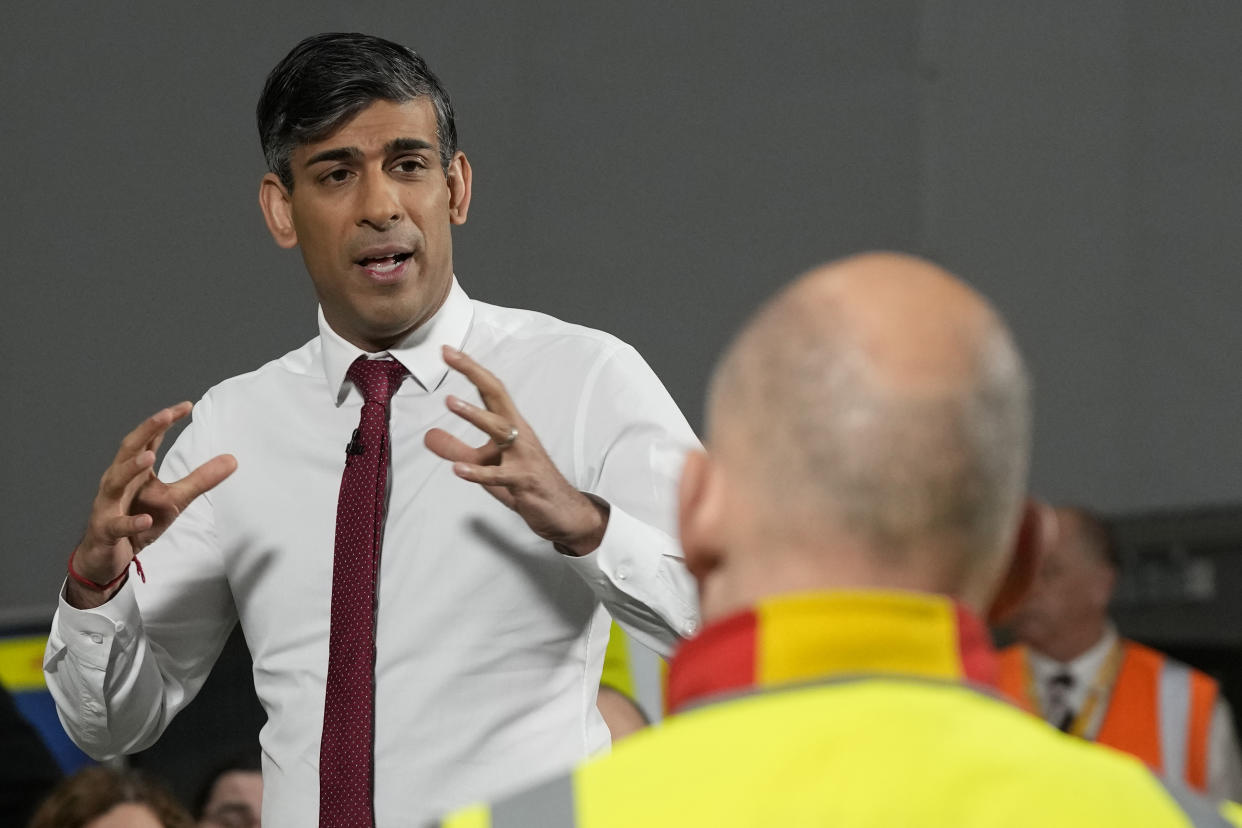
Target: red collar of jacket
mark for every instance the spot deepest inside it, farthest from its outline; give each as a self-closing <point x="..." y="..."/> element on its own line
<point x="805" y="637"/>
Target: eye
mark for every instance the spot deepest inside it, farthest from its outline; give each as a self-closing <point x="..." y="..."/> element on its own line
<point x="412" y="164"/>
<point x="339" y="175"/>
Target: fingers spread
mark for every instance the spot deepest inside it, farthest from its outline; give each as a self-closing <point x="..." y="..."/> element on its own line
<point x="125" y="525"/>
<point x="443" y="444"/>
<point x="491" y="389"/>
<point x="487" y="475"/>
<point x="205" y="478"/>
<point x="493" y="425"/>
<point x="152" y="428"/>
<point x="121" y="475"/>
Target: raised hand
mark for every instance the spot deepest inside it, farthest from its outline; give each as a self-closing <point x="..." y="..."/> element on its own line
<point x="514" y="467"/>
<point x="134" y="507"/>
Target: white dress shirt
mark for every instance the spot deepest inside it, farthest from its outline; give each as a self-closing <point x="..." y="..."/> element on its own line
<point x="1224" y="761"/>
<point x="489" y="642"/>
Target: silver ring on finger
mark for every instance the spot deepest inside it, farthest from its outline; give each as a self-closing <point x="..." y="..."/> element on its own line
<point x="508" y="440"/>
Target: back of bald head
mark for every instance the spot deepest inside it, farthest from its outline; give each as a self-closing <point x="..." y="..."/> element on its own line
<point x="881" y="398"/>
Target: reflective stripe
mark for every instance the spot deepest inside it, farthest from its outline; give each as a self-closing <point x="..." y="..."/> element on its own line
<point x="1174" y="713"/>
<point x="1203" y="692"/>
<point x="550" y="805"/>
<point x="1202" y="812"/>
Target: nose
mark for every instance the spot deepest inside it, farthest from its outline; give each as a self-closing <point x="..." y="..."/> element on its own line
<point x="379" y="206"/>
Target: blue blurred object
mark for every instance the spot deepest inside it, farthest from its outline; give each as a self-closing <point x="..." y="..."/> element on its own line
<point x="21" y="673"/>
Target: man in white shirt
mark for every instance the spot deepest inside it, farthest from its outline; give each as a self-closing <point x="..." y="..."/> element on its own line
<point x="522" y="498"/>
<point x="1072" y="668"/>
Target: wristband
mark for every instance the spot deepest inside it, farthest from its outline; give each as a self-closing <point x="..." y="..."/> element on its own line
<point x="98" y="587"/>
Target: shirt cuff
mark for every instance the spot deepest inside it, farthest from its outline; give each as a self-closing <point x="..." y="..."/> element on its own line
<point x="89" y="634"/>
<point x="633" y="559"/>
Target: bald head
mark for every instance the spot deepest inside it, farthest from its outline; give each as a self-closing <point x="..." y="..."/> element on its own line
<point x="874" y="418"/>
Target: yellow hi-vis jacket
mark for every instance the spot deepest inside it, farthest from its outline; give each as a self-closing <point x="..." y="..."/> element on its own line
<point x="617" y="673"/>
<point x="851" y="710"/>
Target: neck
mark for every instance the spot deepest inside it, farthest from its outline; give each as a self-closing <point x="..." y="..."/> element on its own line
<point x="374" y="340"/>
<point x="785" y="571"/>
<point x="1069" y="646"/>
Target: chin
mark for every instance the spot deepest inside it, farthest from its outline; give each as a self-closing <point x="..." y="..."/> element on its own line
<point x="1032" y="633"/>
<point x="391" y="318"/>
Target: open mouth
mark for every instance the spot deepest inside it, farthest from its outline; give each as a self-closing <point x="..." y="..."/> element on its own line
<point x="384" y="264"/>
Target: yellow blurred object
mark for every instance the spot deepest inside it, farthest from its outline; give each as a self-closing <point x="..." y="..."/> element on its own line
<point x="21" y="663"/>
<point x="617" y="673"/>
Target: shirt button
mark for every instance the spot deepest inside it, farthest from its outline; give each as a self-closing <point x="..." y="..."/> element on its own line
<point x="120" y="626"/>
<point x="97" y="638"/>
<point x="692" y="627"/>
<point x="622" y="573"/>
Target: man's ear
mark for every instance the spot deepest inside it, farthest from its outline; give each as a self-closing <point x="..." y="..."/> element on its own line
<point x="459" y="176"/>
<point x="277" y="207"/>
<point x="699" y="504"/>
<point x="1036" y="533"/>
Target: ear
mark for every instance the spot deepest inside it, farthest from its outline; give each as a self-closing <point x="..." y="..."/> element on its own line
<point x="1037" y="532"/>
<point x="277" y="206"/>
<point x="459" y="178"/>
<point x="699" y="503"/>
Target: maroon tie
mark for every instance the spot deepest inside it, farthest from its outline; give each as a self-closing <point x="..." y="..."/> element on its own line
<point x="346" y="753"/>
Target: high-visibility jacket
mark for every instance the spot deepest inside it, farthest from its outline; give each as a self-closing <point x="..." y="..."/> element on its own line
<point x="849" y="709"/>
<point x="617" y="673"/>
<point x="1157" y="709"/>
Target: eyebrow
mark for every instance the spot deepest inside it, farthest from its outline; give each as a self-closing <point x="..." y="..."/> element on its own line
<point x="355" y="154"/>
<point x="338" y="154"/>
<point x="406" y="144"/>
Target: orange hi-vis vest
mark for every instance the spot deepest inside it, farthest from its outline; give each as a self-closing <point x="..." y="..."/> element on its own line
<point x="1157" y="709"/>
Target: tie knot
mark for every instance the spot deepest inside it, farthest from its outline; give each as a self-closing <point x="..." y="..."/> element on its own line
<point x="377" y="379"/>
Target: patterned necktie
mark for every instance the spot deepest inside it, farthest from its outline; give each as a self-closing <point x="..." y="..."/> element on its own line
<point x="346" y="753"/>
<point x="1060" y="714"/>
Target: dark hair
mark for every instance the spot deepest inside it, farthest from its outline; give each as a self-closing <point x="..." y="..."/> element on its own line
<point x="93" y="791"/>
<point x="328" y="79"/>
<point x="248" y="762"/>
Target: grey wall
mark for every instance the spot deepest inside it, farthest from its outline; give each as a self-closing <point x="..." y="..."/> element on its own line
<point x="653" y="169"/>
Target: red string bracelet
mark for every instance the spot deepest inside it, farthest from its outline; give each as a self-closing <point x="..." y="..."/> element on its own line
<point x="97" y="587"/>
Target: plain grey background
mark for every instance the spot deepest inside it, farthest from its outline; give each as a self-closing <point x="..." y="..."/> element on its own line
<point x="653" y="169"/>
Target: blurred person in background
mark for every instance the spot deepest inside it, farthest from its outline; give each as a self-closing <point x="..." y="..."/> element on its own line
<point x="859" y="512"/>
<point x="100" y="797"/>
<point x="618" y="698"/>
<point x="232" y="797"/>
<point x="1072" y="668"/>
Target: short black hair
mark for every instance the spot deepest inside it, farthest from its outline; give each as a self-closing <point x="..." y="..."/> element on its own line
<point x="327" y="79"/>
<point x="249" y="761"/>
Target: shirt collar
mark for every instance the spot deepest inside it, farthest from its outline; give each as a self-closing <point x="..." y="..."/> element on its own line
<point x="419" y="352"/>
<point x="798" y="638"/>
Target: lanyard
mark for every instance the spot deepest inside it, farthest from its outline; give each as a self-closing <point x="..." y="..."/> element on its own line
<point x="1100" y="689"/>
